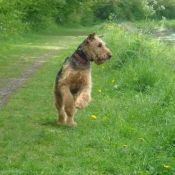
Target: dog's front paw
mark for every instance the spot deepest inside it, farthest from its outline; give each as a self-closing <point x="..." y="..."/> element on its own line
<point x="79" y="105"/>
<point x="82" y="102"/>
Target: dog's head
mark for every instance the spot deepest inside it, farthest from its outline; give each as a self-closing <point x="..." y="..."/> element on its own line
<point x="95" y="49"/>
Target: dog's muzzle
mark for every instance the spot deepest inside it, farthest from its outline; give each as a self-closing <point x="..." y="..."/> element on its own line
<point x="109" y="56"/>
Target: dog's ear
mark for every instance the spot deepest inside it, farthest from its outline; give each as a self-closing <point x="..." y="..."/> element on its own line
<point x="90" y="37"/>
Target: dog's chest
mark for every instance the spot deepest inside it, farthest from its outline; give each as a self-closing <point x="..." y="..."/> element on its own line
<point x="79" y="79"/>
<point x="75" y="79"/>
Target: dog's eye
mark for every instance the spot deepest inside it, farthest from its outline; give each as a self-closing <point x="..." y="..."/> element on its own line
<point x="99" y="45"/>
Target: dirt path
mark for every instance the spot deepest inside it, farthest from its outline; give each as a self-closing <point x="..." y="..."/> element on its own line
<point x="15" y="84"/>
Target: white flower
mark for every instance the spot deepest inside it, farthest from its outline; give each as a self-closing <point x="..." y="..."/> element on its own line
<point x="162" y="7"/>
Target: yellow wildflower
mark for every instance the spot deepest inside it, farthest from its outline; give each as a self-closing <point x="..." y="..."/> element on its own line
<point x="124" y="145"/>
<point x="166" y="166"/>
<point x="99" y="90"/>
<point x="94" y="116"/>
<point x="102" y="67"/>
<point x="112" y="80"/>
<point x="142" y="139"/>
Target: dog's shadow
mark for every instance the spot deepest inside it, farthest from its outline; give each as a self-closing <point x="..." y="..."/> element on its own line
<point x="54" y="125"/>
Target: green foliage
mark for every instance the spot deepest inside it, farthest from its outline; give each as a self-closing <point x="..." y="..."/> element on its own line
<point x="18" y="17"/>
<point x="10" y="24"/>
<point x="130" y="10"/>
<point x="35" y="13"/>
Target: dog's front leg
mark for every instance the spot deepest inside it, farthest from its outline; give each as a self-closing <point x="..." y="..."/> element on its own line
<point x="69" y="105"/>
<point x="83" y="98"/>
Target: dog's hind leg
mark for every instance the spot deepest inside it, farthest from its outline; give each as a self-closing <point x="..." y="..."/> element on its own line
<point x="69" y="105"/>
<point x="60" y="108"/>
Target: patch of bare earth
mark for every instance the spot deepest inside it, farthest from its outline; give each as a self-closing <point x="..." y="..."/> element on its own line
<point x="15" y="84"/>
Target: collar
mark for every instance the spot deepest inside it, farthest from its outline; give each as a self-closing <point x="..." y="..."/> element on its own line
<point x="82" y="60"/>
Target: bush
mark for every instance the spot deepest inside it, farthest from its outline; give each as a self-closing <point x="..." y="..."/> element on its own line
<point x="10" y="24"/>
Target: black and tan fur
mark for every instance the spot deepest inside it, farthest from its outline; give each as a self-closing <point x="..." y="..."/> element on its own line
<point x="72" y="89"/>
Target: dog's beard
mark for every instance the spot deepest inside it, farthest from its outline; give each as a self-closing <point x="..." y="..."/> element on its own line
<point x="100" y="61"/>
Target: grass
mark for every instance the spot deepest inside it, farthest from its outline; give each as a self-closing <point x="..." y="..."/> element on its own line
<point x="133" y="101"/>
<point x="19" y="54"/>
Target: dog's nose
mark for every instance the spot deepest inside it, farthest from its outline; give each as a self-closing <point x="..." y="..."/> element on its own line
<point x="109" y="55"/>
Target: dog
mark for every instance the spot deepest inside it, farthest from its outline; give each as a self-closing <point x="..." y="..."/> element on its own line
<point x="72" y="88"/>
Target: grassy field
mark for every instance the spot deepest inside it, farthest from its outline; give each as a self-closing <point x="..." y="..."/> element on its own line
<point x="127" y="129"/>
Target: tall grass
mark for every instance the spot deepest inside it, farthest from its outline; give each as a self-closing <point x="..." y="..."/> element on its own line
<point x="144" y="76"/>
<point x="127" y="129"/>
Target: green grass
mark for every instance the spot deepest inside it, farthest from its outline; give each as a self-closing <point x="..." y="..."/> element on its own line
<point x="19" y="54"/>
<point x="134" y="130"/>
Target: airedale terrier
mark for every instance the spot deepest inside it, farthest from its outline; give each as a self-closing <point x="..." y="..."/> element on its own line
<point x="72" y="88"/>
